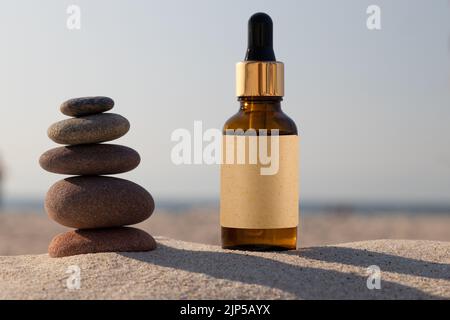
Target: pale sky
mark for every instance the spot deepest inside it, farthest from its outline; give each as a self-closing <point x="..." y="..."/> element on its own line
<point x="372" y="107"/>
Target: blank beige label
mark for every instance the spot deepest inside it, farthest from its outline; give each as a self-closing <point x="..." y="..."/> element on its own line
<point x="252" y="200"/>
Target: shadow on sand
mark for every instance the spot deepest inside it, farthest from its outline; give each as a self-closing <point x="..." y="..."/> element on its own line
<point x="386" y="262"/>
<point x="304" y="282"/>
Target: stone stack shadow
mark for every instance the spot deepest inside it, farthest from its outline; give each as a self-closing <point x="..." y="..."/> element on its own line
<point x="96" y="205"/>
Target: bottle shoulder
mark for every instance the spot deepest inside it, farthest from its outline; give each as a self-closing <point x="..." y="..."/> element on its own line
<point x="262" y="120"/>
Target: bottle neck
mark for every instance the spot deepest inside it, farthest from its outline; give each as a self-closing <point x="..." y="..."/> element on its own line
<point x="264" y="104"/>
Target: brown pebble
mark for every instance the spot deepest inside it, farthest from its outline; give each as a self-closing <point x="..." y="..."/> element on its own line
<point x="87" y="202"/>
<point x="86" y="105"/>
<point x="89" y="129"/>
<point x="122" y="239"/>
<point x="90" y="159"/>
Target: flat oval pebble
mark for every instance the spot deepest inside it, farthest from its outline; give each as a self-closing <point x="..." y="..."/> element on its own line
<point x="98" y="202"/>
<point x="86" y="105"/>
<point x="90" y="159"/>
<point x="89" y="129"/>
<point x="123" y="239"/>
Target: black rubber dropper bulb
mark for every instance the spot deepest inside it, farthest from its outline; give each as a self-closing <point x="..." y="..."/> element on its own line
<point x="260" y="38"/>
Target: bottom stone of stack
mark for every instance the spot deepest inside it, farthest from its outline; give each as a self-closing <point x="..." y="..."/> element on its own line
<point x="121" y="239"/>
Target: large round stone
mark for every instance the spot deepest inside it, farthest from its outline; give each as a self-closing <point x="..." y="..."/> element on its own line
<point x="85" y="106"/>
<point x="100" y="240"/>
<point x="90" y="159"/>
<point x="89" y="129"/>
<point x="98" y="202"/>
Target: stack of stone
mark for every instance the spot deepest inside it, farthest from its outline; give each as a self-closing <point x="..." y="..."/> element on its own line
<point x="97" y="206"/>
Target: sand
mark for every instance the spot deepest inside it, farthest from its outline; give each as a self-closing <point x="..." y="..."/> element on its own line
<point x="183" y="270"/>
<point x="30" y="233"/>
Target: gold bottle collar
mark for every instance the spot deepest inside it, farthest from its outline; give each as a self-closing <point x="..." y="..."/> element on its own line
<point x="260" y="78"/>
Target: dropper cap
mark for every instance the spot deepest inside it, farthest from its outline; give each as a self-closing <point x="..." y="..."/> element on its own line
<point x="260" y="38"/>
<point x="260" y="74"/>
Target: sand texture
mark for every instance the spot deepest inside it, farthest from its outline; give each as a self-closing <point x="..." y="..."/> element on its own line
<point x="181" y="270"/>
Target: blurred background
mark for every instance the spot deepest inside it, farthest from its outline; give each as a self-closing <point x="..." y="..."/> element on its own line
<point x="372" y="107"/>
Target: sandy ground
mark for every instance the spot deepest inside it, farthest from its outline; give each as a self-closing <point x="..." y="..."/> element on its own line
<point x="30" y="233"/>
<point x="183" y="270"/>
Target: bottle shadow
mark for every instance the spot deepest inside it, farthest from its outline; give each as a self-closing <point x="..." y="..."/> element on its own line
<point x="303" y="282"/>
<point x="386" y="262"/>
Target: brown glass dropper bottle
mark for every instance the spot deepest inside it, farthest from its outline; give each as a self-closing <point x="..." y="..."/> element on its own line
<point x="260" y="212"/>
